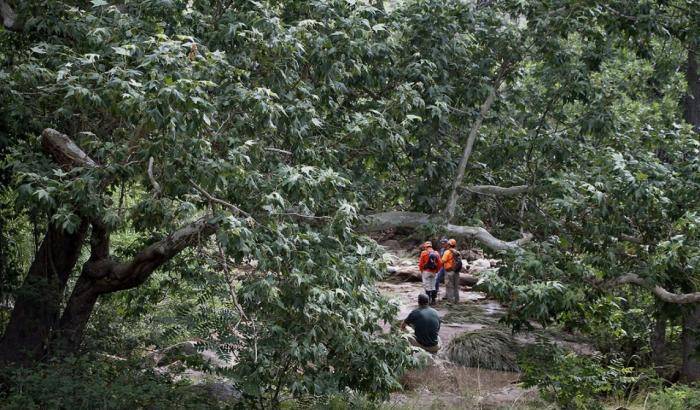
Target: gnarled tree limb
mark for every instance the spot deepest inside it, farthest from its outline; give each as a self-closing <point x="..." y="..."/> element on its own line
<point x="126" y="275"/>
<point x="63" y="150"/>
<point x="386" y="220"/>
<point x="658" y="291"/>
<point x="497" y="190"/>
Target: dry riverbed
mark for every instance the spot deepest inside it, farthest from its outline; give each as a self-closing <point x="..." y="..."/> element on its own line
<point x="443" y="384"/>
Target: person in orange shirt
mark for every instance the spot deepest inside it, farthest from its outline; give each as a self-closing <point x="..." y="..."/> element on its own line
<point x="429" y="265"/>
<point x="452" y="262"/>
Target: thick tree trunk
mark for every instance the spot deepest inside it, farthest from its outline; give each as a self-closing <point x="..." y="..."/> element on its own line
<point x="692" y="98"/>
<point x="69" y="335"/>
<point x="101" y="274"/>
<point x="658" y="342"/>
<point x="690" y="340"/>
<point x="38" y="302"/>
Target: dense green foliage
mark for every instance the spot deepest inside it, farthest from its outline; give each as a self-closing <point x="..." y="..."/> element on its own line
<point x="278" y="124"/>
<point x="576" y="382"/>
<point x="93" y="383"/>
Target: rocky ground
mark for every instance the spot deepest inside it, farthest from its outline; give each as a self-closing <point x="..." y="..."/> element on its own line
<point x="443" y="384"/>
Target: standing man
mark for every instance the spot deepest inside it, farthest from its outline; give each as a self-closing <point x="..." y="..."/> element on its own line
<point x="429" y="265"/>
<point x="441" y="274"/>
<point x="426" y="325"/>
<point x="452" y="264"/>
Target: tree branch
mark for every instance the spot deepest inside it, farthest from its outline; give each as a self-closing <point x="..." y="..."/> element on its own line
<point x="63" y="150"/>
<point x="658" y="291"/>
<point x="279" y="151"/>
<point x="120" y="276"/>
<point x="9" y="17"/>
<point x="386" y="220"/>
<point x="214" y="199"/>
<point x="630" y="238"/>
<point x="485" y="107"/>
<point x="497" y="190"/>
<point x="156" y="185"/>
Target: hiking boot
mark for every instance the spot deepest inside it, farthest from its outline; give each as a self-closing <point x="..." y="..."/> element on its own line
<point x="433" y="297"/>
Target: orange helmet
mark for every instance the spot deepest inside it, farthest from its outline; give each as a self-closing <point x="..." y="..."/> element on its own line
<point x="452" y="243"/>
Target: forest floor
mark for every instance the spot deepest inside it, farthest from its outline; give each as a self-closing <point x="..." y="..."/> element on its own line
<point x="443" y="384"/>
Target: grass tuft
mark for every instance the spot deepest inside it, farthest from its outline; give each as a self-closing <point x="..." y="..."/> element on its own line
<point x="486" y="349"/>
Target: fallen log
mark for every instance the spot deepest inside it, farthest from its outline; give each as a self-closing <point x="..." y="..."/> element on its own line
<point x="412" y="274"/>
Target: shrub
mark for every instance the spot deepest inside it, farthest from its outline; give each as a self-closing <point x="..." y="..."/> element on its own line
<point x="93" y="383"/>
<point x="572" y="381"/>
<point x="675" y="398"/>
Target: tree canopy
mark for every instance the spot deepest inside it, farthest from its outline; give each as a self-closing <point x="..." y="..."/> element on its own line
<point x="246" y="148"/>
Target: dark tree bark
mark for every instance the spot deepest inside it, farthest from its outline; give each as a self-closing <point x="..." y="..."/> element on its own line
<point x="690" y="369"/>
<point x="38" y="302"/>
<point x="690" y="342"/>
<point x="101" y="274"/>
<point x="692" y="97"/>
<point x="658" y="341"/>
<point x="69" y="335"/>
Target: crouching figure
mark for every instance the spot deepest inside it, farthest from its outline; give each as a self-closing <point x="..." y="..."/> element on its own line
<point x="426" y="325"/>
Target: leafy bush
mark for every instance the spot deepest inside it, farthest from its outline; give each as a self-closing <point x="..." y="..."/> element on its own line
<point x="573" y="381"/>
<point x="343" y="401"/>
<point x="675" y="398"/>
<point x="94" y="383"/>
<point x="620" y="325"/>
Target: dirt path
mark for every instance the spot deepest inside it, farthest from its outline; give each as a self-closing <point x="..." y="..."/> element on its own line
<point x="443" y="384"/>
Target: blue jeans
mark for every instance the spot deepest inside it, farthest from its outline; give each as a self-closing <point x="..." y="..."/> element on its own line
<point x="439" y="279"/>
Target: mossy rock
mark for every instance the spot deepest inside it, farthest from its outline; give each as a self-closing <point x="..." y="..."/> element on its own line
<point x="491" y="349"/>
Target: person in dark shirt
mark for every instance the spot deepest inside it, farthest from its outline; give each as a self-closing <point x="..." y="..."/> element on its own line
<point x="426" y="324"/>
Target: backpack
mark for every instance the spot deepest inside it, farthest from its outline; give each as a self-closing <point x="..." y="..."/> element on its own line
<point x="432" y="262"/>
<point x="458" y="261"/>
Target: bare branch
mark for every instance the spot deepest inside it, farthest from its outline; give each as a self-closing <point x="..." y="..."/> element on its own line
<point x="485" y="107"/>
<point x="279" y="151"/>
<point x="156" y="185"/>
<point x="658" y="291"/>
<point x="212" y="198"/>
<point x="386" y="220"/>
<point x="302" y="216"/>
<point x="497" y="190"/>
